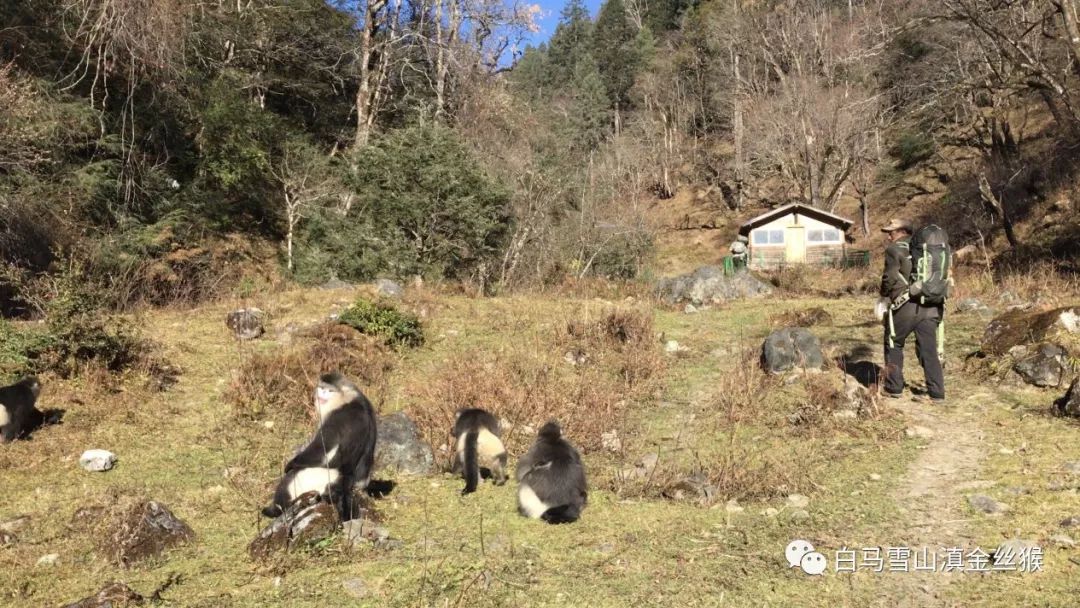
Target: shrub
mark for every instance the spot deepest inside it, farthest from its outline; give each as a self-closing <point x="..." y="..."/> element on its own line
<point x="423" y="205"/>
<point x="76" y="332"/>
<point x="283" y="382"/>
<point x="912" y="147"/>
<point x="383" y="320"/>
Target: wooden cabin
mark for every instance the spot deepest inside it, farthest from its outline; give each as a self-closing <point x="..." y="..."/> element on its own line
<point x="796" y="234"/>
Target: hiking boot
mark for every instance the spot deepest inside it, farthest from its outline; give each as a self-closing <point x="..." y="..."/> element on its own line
<point x="893" y="395"/>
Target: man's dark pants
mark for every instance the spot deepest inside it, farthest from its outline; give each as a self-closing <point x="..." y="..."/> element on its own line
<point x="923" y="321"/>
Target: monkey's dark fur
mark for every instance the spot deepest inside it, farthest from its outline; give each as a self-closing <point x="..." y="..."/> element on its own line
<point x="18" y="415"/>
<point x="551" y="479"/>
<point x="340" y="455"/>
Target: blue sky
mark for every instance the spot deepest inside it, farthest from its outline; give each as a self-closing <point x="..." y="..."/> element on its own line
<point x="552" y="8"/>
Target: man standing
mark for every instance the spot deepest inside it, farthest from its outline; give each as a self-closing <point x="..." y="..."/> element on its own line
<point x="739" y="252"/>
<point x="906" y="316"/>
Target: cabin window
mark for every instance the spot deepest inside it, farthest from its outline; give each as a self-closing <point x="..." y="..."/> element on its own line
<point x="827" y="235"/>
<point x="768" y="237"/>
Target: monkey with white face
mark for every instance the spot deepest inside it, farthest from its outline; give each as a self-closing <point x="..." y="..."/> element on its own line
<point x="18" y="415"/>
<point x="339" y="456"/>
<point x="478" y="445"/>
<point x="551" y="479"/>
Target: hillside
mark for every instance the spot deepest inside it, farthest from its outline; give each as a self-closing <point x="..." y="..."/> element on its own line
<point x="867" y="482"/>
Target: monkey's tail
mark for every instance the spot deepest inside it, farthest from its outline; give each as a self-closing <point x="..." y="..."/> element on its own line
<point x="472" y="468"/>
<point x="563" y="514"/>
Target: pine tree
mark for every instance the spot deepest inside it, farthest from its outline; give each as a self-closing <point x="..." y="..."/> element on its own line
<point x="589" y="117"/>
<point x="569" y="43"/>
<point x="615" y="49"/>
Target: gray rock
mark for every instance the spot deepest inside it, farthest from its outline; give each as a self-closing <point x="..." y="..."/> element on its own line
<point x="1062" y="540"/>
<point x="246" y="323"/>
<point x="799" y="515"/>
<point x="400" y="448"/>
<point x="1072" y="467"/>
<point x="1045" y="367"/>
<point x="49" y="560"/>
<point x="335" y="283"/>
<point x="610" y="441"/>
<point x="356" y="588"/>
<point x="671" y="346"/>
<point x="145" y="531"/>
<point x="1069" y="404"/>
<point x="694" y="487"/>
<point x="798" y="501"/>
<point x="709" y="285"/>
<point x="919" y="432"/>
<point x="361" y="531"/>
<point x="690" y="309"/>
<point x="987" y="505"/>
<point x="1071" y="522"/>
<point x="648" y="461"/>
<point x="789" y="348"/>
<point x="112" y="595"/>
<point x="307" y="521"/>
<point x="97" y="460"/>
<point x="388" y="288"/>
<point x="972" y="305"/>
<point x="576" y="357"/>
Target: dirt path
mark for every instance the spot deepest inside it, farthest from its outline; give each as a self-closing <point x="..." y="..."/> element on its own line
<point x="933" y="494"/>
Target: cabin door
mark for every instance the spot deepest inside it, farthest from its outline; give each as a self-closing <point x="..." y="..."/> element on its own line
<point x="795" y="241"/>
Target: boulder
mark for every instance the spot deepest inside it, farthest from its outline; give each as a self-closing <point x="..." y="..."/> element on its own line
<point x="335" y="283"/>
<point x="97" y="460"/>
<point x="709" y="285"/>
<point x="1045" y="367"/>
<point x="400" y="447"/>
<point x="146" y="530"/>
<point x="790" y="348"/>
<point x="1020" y="327"/>
<point x="973" y="305"/>
<point x="1069" y="405"/>
<point x="306" y="521"/>
<point x="246" y="323"/>
<point x="113" y="595"/>
<point x="388" y="288"/>
<point x="987" y="505"/>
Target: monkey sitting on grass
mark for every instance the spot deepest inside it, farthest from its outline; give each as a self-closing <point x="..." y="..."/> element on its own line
<point x="340" y="455"/>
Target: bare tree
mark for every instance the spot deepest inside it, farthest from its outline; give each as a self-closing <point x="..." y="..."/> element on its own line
<point x="815" y="99"/>
<point x="305" y="179"/>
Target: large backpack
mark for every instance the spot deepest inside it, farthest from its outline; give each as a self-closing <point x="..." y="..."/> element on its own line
<point x="931" y="265"/>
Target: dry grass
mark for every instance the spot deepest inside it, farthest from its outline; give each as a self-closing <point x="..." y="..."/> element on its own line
<point x="585" y="377"/>
<point x="1040" y="282"/>
<point x="282" y="381"/>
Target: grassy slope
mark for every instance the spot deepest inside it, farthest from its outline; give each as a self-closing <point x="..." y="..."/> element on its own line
<point x="176" y="448"/>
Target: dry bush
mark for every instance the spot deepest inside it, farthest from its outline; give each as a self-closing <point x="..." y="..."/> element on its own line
<point x="824" y="281"/>
<point x="739" y="469"/>
<point x="623" y="338"/>
<point x="1038" y="282"/>
<point x="282" y="382"/>
<point x="524" y="389"/>
<point x="806" y="317"/>
<point x="527" y="384"/>
<point x="742" y="394"/>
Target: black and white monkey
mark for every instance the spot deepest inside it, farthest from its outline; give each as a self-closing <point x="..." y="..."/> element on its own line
<point x="340" y="454"/>
<point x="551" y="479"/>
<point x="478" y="445"/>
<point x="18" y="415"/>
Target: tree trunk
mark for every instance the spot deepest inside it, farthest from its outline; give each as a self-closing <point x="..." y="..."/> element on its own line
<point x="737" y="126"/>
<point x="864" y="210"/>
<point x="364" y="92"/>
<point x="997" y="209"/>
<point x="1069" y="16"/>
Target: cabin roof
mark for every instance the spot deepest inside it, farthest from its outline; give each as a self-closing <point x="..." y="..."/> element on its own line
<point x="806" y="210"/>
